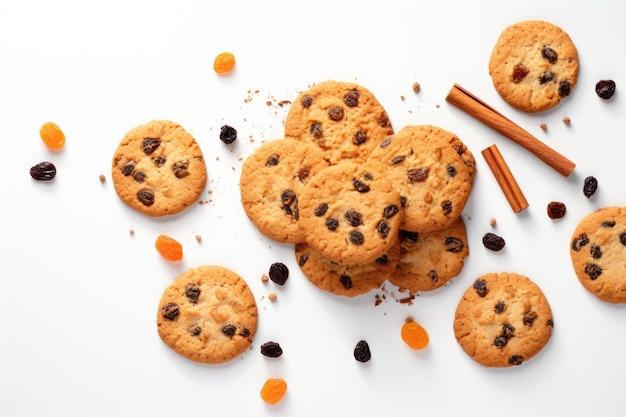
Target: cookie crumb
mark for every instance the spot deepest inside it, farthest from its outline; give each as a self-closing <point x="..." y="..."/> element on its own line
<point x="402" y="97"/>
<point x="198" y="238"/>
<point x="272" y="296"/>
<point x="492" y="222"/>
<point x="131" y="232"/>
<point x="567" y="120"/>
<point x="543" y="127"/>
<point x="416" y="87"/>
<point x="102" y="178"/>
<point x="264" y="278"/>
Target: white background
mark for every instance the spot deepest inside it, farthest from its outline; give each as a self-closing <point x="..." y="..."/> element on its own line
<point x="79" y="293"/>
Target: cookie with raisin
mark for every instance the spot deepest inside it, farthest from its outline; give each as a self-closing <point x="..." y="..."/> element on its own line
<point x="597" y="251"/>
<point x="428" y="173"/>
<point x="534" y="65"/>
<point x="350" y="213"/>
<point x="345" y="280"/>
<point x="343" y="119"/>
<point x="158" y="169"/>
<point x="503" y="320"/>
<point x="430" y="260"/>
<point x="208" y="315"/>
<point x="270" y="183"/>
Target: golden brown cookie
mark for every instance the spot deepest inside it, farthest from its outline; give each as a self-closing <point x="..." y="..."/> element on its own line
<point x="598" y="253"/>
<point x="208" y="315"/>
<point x="343" y="119"/>
<point x="158" y="169"/>
<point x="502" y="320"/>
<point x="534" y="65"/>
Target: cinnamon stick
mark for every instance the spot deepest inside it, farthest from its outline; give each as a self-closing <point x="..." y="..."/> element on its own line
<point x="475" y="107"/>
<point x="505" y="179"/>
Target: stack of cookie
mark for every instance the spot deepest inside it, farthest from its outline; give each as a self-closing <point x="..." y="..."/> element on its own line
<point x="361" y="203"/>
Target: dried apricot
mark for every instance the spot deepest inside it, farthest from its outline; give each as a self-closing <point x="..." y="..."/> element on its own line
<point x="273" y="390"/>
<point x="52" y="135"/>
<point x="224" y="62"/>
<point x="414" y="335"/>
<point x="169" y="248"/>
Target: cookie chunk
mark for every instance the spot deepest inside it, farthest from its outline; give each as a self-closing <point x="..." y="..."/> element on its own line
<point x="343" y="119"/>
<point x="598" y="253"/>
<point x="208" y="315"/>
<point x="270" y="183"/>
<point x="433" y="180"/>
<point x="429" y="260"/>
<point x="350" y="212"/>
<point x="534" y="65"/>
<point x="158" y="169"/>
<point x="503" y="320"/>
<point x="346" y="280"/>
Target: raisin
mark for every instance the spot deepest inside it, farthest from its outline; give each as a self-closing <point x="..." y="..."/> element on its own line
<point x="43" y="171"/>
<point x="360" y="186"/>
<point x="228" y="134"/>
<point x="593" y="270"/>
<point x="271" y="350"/>
<point x="579" y="242"/>
<point x="499" y="308"/>
<point x="195" y="331"/>
<point x="170" y="311"/>
<point x="316" y="130"/>
<point x="192" y="292"/>
<point x="128" y="168"/>
<point x="335" y="113"/>
<point x="273" y="390"/>
<point x="229" y="330"/>
<point x="434" y="277"/>
<point x="159" y="161"/>
<point x="149" y="145"/>
<point x="352" y="98"/>
<point x="390" y="211"/>
<point x="146" y="197"/>
<point x="303" y="259"/>
<point x="480" y="286"/>
<point x="354" y="218"/>
<point x="321" y="210"/>
<point x="244" y="332"/>
<point x="493" y="242"/>
<point x="403" y="200"/>
<point x="622" y="238"/>
<point x="332" y="223"/>
<point x="453" y="244"/>
<point x="529" y="318"/>
<point x="565" y="88"/>
<point x="446" y="207"/>
<point x="417" y="175"/>
<point x="451" y="171"/>
<point x="590" y="186"/>
<point x="385" y="142"/>
<point x="287" y="197"/>
<point x="414" y="335"/>
<point x="516" y="360"/>
<point x="383" y="260"/>
<point x="139" y="175"/>
<point x="383" y="228"/>
<point x="169" y="248"/>
<point x="595" y="251"/>
<point x="362" y="351"/>
<point x="272" y="160"/>
<point x="304" y="174"/>
<point x="181" y="169"/>
<point x="346" y="281"/>
<point x="500" y="341"/>
<point x="224" y="62"/>
<point x="519" y="73"/>
<point x="397" y="159"/>
<point x="549" y="54"/>
<point x="556" y="210"/>
<point x="279" y="273"/>
<point x="52" y="135"/>
<point x="360" y="137"/>
<point x="610" y="223"/>
<point x="383" y="120"/>
<point x="306" y="101"/>
<point x="412" y="236"/>
<point x="356" y="237"/>
<point x="507" y="330"/>
<point x="605" y="89"/>
<point x="546" y="77"/>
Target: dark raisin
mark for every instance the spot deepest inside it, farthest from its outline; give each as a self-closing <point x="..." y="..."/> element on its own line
<point x="595" y="251"/>
<point x="335" y="113"/>
<point x="417" y="175"/>
<point x="481" y="287"/>
<point x="565" y="88"/>
<point x="170" y="311"/>
<point x="590" y="186"/>
<point x="493" y="242"/>
<point x="316" y="130"/>
<point x="549" y="54"/>
<point x="546" y="77"/>
<point x="279" y="273"/>
<point x="610" y="223"/>
<point x="383" y="260"/>
<point x="579" y="242"/>
<point x="403" y="200"/>
<point x="352" y="98"/>
<point x="192" y="292"/>
<point x="321" y="210"/>
<point x="605" y="89"/>
<point x="43" y="171"/>
<point x="385" y="142"/>
<point x="397" y="159"/>
<point x="346" y="281"/>
<point x="519" y="73"/>
<point x="360" y="186"/>
<point x="360" y="137"/>
<point x="516" y="360"/>
<point x="529" y="318"/>
<point x="356" y="237"/>
<point x="508" y="330"/>
<point x="354" y="218"/>
<point x="451" y="170"/>
<point x="383" y="120"/>
<point x="128" y="168"/>
<point x="306" y="101"/>
<point x="622" y="238"/>
<point x="228" y="134"/>
<point x="271" y="350"/>
<point x="453" y="244"/>
<point x="304" y="174"/>
<point x="159" y="161"/>
<point x="500" y="341"/>
<point x="446" y="207"/>
<point x="287" y="197"/>
<point x="412" y="236"/>
<point x="362" y="351"/>
<point x="244" y="332"/>
<point x="499" y="308"/>
<point x="556" y="210"/>
<point x="195" y="331"/>
<point x="303" y="259"/>
<point x="383" y="228"/>
<point x="390" y="211"/>
<point x="229" y="330"/>
<point x="593" y="270"/>
<point x="550" y="323"/>
<point x="181" y="169"/>
<point x="149" y="145"/>
<point x="434" y="277"/>
<point x="272" y="161"/>
<point x="146" y="197"/>
<point x="139" y="175"/>
<point x="332" y="223"/>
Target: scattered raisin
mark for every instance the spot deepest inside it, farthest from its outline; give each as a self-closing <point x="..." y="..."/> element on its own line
<point x="170" y="311"/>
<point x="356" y="237"/>
<point x="224" y="62"/>
<point x="565" y="88"/>
<point x="149" y="145"/>
<point x="354" y="218"/>
<point x="549" y="54"/>
<point x="271" y="350"/>
<point x="593" y="270"/>
<point x="390" y="211"/>
<point x="279" y="273"/>
<point x="192" y="292"/>
<point x="169" y="248"/>
<point x="383" y="228"/>
<point x="273" y="390"/>
<point x="146" y="197"/>
<point x="519" y="73"/>
<point x="480" y="285"/>
<point x="346" y="281"/>
<point x="306" y="101"/>
<point x="453" y="244"/>
<point x="595" y="251"/>
<point x="321" y="210"/>
<point x="360" y="137"/>
<point x="272" y="160"/>
<point x="52" y="135"/>
<point x="335" y="113"/>
<point x="352" y="98"/>
<point x="605" y="89"/>
<point x="414" y="335"/>
<point x="579" y="242"/>
<point x="362" y="351"/>
<point x="229" y="330"/>
<point x="493" y="242"/>
<point x="181" y="169"/>
<point x="417" y="175"/>
<point x="228" y="134"/>
<point x="360" y="186"/>
<point x="43" y="171"/>
<point x="529" y="318"/>
<point x="590" y="186"/>
<point x="332" y="223"/>
<point x="556" y="210"/>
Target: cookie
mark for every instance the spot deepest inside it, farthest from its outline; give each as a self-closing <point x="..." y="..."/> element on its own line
<point x="503" y="320"/>
<point x="208" y="315"/>
<point x="534" y="65"/>
<point x="433" y="180"/>
<point x="350" y="213"/>
<point x="345" y="280"/>
<point x="429" y="260"/>
<point x="597" y="251"/>
<point x="158" y="169"/>
<point x="343" y="119"/>
<point x="270" y="183"/>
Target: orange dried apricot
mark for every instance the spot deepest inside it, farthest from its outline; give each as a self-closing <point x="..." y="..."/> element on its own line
<point x="224" y="62"/>
<point x="169" y="248"/>
<point x="414" y="335"/>
<point x="52" y="135"/>
<point x="273" y="390"/>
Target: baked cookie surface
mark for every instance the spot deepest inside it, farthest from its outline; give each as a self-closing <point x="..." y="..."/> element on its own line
<point x="343" y="119"/>
<point x="208" y="315"/>
<point x="598" y="253"/>
<point x="503" y="320"/>
<point x="158" y="169"/>
<point x="534" y="65"/>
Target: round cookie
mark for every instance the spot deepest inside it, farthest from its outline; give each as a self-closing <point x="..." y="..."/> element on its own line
<point x="343" y="119"/>
<point x="503" y="320"/>
<point x="430" y="260"/>
<point x="598" y="251"/>
<point x="208" y="315"/>
<point x="350" y="213"/>
<point x="534" y="65"/>
<point x="433" y="180"/>
<point x="158" y="169"/>
<point x="346" y="280"/>
<point x="270" y="183"/>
